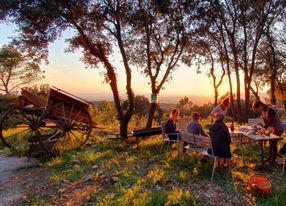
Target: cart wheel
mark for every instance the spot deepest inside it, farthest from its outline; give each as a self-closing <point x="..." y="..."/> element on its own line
<point x="64" y="126"/>
<point x="17" y="128"/>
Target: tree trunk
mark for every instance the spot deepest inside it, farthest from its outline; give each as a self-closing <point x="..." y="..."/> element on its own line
<point x="231" y="93"/>
<point x="247" y="98"/>
<point x="124" y="127"/>
<point x="272" y="87"/>
<point x="284" y="103"/>
<point x="247" y="86"/>
<point x="236" y="67"/>
<point x="215" y="96"/>
<point x="151" y="115"/>
<point x="254" y="93"/>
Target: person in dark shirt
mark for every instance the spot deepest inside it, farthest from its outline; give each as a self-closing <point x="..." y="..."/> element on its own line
<point x="221" y="140"/>
<point x="271" y="120"/>
<point x="171" y="124"/>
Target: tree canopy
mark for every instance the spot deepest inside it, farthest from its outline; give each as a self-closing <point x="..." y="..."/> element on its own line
<point x="17" y="70"/>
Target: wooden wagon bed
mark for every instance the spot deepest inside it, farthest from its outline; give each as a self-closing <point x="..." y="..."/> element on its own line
<point x="61" y="118"/>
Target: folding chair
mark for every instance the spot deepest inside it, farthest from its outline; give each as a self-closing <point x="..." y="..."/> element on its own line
<point x="166" y="139"/>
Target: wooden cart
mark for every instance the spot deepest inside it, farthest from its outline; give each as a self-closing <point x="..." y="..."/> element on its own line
<point x="58" y="123"/>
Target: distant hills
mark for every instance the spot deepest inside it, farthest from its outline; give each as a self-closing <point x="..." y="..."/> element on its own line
<point x="166" y="99"/>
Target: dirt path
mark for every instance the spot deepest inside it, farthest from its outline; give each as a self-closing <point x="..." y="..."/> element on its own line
<point x="13" y="179"/>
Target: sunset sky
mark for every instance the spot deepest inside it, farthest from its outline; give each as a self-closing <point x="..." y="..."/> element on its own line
<point x="66" y="71"/>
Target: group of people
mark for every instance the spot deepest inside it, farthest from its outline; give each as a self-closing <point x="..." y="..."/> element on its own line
<point x="219" y="132"/>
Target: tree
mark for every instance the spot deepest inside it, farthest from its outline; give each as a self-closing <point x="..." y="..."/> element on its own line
<point x="100" y="28"/>
<point x="160" y="27"/>
<point x="185" y="106"/>
<point x="142" y="105"/>
<point x="17" y="70"/>
<point x="241" y="25"/>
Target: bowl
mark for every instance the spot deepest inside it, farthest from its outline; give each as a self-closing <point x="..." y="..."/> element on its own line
<point x="260" y="185"/>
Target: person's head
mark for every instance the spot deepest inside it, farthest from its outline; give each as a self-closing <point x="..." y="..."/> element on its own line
<point x="257" y="106"/>
<point x="196" y="116"/>
<point x="219" y="117"/>
<point x="225" y="102"/>
<point x="174" y="113"/>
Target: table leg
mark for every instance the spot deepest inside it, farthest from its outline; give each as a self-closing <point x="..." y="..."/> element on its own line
<point x="262" y="166"/>
<point x="262" y="158"/>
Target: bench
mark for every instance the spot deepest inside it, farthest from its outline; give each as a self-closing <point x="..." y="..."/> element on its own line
<point x="199" y="144"/>
<point x="142" y="133"/>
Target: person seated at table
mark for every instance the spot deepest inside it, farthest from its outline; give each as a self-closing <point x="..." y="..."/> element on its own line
<point x="220" y="109"/>
<point x="171" y="124"/>
<point x="221" y="140"/>
<point x="271" y="119"/>
<point x="195" y="126"/>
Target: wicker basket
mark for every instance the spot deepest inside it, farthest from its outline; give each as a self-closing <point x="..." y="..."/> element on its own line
<point x="260" y="185"/>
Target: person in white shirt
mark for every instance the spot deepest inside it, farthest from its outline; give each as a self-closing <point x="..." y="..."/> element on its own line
<point x="220" y="109"/>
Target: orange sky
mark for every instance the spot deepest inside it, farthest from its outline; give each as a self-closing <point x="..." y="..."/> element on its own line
<point x="66" y="71"/>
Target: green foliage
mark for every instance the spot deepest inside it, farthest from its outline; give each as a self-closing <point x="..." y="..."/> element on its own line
<point x="278" y="197"/>
<point x="33" y="200"/>
<point x="17" y="69"/>
<point x="187" y="107"/>
<point x="6" y="102"/>
<point x="157" y="198"/>
<point x="125" y="175"/>
<point x="141" y="105"/>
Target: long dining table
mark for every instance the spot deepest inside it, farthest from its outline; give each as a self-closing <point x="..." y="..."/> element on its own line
<point x="260" y="138"/>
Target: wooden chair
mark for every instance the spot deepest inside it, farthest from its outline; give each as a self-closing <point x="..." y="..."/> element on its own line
<point x="199" y="144"/>
<point x="166" y="139"/>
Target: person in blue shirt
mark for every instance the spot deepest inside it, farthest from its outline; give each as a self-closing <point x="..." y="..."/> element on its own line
<point x="195" y="126"/>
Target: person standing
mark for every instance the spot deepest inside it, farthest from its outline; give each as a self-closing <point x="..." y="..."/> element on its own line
<point x="220" y="109"/>
<point x="271" y="118"/>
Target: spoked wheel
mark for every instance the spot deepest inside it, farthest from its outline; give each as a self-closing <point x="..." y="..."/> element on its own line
<point x="18" y="127"/>
<point x="64" y="126"/>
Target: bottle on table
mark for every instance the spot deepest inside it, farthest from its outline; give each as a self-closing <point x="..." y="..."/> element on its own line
<point x="232" y="126"/>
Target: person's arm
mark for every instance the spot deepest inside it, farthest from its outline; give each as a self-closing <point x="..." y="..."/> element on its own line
<point x="201" y="130"/>
<point x="188" y="127"/>
<point x="270" y="118"/>
<point x="227" y="135"/>
<point x="214" y="110"/>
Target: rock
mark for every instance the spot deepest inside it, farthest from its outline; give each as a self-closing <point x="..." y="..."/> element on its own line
<point x="114" y="179"/>
<point x="158" y="187"/>
<point x="94" y="167"/>
<point x="75" y="162"/>
<point x="76" y="166"/>
<point x="112" y="195"/>
<point x="87" y="178"/>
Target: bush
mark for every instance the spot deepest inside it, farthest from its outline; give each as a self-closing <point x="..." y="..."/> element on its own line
<point x="6" y="102"/>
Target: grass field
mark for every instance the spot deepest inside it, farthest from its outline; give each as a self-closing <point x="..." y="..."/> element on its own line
<point x="112" y="172"/>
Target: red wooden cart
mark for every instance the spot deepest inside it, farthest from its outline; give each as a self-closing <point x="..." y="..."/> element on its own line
<point x="58" y="123"/>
